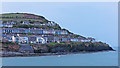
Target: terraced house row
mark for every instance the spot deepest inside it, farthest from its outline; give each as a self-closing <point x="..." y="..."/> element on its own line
<point x="10" y="24"/>
<point x="33" y="31"/>
<point x="26" y="39"/>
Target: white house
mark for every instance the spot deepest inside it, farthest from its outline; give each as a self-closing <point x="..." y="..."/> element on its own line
<point x="74" y="39"/>
<point x="85" y="40"/>
<point x="23" y="40"/>
<point x="51" y="23"/>
<point x="6" y="25"/>
<point x="13" y="39"/>
<point x="40" y="40"/>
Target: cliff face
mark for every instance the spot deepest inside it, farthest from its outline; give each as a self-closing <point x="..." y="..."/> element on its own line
<point x="87" y="47"/>
<point x="64" y="48"/>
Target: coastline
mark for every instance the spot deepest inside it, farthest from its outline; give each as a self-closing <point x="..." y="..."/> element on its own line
<point x="18" y="54"/>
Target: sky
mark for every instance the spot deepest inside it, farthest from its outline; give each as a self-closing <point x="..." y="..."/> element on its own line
<point x="89" y="19"/>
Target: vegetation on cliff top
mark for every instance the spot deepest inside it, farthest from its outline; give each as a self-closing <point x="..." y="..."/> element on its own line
<point x="22" y="17"/>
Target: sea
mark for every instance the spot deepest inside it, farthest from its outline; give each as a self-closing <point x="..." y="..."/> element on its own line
<point x="106" y="58"/>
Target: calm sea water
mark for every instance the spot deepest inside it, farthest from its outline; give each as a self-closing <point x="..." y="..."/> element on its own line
<point x="92" y="59"/>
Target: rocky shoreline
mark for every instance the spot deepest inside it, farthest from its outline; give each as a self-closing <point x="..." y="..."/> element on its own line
<point x="18" y="54"/>
<point x="14" y="50"/>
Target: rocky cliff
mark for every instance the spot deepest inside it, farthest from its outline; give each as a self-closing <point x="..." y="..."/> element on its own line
<point x="75" y="47"/>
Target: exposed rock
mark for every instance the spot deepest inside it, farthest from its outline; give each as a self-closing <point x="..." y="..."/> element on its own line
<point x="26" y="49"/>
<point x="92" y="47"/>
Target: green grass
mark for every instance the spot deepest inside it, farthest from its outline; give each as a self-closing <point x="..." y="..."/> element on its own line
<point x="12" y="15"/>
<point x="36" y="26"/>
<point x="39" y="20"/>
<point x="21" y="17"/>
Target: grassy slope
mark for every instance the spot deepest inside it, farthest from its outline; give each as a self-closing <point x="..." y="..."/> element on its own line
<point x="22" y="17"/>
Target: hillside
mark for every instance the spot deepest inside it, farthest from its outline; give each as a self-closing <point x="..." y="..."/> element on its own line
<point x="19" y="18"/>
<point x="26" y="33"/>
<point x="32" y="21"/>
